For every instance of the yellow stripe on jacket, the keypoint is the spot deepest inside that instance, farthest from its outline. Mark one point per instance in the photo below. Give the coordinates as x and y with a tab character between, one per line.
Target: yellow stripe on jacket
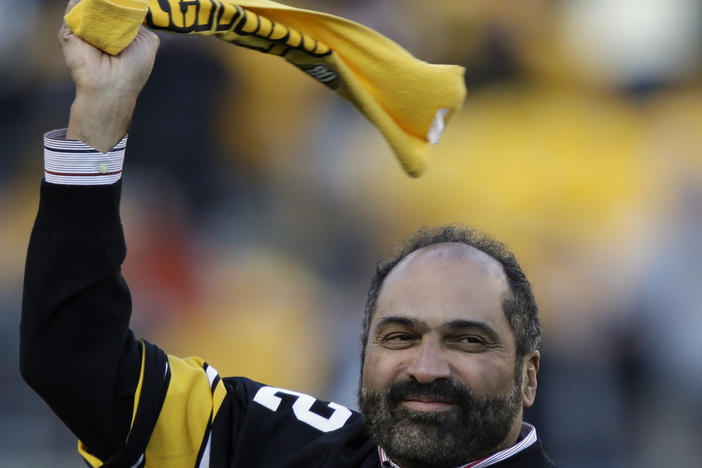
189	406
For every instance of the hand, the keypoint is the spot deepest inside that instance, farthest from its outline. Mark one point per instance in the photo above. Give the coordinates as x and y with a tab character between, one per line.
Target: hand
107	86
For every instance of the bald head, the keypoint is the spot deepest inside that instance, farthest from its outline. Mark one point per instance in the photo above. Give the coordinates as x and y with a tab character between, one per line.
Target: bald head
453	257
447	277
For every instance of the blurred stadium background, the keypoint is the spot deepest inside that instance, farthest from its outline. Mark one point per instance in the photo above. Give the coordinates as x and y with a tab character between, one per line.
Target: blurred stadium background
257	203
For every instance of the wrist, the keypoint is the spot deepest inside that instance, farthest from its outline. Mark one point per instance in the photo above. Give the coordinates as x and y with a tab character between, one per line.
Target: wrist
100	120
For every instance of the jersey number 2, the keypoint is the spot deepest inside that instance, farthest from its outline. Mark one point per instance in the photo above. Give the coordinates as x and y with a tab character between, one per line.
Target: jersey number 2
267	396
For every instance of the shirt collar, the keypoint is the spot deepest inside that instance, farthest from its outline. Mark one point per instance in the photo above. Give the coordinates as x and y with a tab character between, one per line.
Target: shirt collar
527	437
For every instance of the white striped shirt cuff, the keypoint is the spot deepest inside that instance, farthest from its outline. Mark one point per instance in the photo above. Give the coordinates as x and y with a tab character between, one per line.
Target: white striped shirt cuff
72	162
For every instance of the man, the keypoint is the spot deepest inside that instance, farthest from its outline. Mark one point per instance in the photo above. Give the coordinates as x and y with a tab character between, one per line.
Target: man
450	342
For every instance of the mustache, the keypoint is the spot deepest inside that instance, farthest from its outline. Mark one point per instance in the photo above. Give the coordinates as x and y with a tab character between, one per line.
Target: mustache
440	390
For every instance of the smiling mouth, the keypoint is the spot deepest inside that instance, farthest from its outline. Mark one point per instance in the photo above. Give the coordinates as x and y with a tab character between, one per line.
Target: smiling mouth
427	404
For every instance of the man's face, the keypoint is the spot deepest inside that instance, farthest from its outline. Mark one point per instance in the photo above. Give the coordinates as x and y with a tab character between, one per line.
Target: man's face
440	383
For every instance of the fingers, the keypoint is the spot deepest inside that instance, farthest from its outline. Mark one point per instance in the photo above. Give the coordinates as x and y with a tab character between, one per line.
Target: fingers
64	32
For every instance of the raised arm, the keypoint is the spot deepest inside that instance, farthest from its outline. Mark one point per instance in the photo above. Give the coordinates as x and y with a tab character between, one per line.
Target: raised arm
76	348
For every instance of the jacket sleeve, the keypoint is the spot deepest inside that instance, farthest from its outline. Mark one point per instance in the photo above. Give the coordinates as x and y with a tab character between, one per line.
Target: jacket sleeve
76	349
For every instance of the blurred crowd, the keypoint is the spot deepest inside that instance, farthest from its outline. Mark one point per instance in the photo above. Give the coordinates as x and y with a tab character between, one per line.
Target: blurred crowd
256	204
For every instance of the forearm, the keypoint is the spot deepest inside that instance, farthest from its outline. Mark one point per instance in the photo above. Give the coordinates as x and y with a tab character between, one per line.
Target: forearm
76	349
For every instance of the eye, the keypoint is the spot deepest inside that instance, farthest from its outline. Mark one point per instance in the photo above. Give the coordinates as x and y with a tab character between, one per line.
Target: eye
470	342
398	337
471	339
398	340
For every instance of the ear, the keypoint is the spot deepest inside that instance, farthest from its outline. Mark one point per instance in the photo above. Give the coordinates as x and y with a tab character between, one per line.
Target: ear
531	368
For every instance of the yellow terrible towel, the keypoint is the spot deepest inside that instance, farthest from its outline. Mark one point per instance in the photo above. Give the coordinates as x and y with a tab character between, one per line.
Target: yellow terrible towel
409	100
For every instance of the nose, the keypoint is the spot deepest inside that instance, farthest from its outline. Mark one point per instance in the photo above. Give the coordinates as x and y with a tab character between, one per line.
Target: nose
429	364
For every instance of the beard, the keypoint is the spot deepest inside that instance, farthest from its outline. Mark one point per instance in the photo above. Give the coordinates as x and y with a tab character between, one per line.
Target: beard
473	428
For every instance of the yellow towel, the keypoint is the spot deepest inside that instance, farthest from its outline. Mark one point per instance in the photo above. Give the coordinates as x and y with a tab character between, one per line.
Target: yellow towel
409	100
